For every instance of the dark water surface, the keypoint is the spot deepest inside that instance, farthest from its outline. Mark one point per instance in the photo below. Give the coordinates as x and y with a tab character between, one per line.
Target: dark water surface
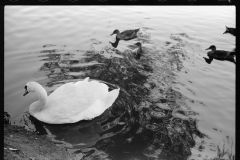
172	104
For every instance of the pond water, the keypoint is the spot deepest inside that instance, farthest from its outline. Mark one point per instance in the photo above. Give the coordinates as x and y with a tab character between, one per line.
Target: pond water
172	104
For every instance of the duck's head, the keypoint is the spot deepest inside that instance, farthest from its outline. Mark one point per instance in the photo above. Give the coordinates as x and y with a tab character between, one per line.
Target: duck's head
116	31
138	44
227	30
212	47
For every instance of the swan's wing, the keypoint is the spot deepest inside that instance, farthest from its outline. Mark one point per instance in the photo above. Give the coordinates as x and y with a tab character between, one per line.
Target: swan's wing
98	107
104	103
79	99
66	88
62	90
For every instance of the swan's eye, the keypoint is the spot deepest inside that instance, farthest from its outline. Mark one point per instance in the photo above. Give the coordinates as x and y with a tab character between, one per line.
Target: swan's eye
26	91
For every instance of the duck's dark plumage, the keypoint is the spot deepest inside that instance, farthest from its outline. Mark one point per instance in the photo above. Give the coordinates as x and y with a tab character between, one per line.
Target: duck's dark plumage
126	35
232	31
221	54
138	50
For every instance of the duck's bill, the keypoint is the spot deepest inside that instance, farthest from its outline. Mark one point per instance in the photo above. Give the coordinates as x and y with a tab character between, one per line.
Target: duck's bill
112	34
26	92
207	48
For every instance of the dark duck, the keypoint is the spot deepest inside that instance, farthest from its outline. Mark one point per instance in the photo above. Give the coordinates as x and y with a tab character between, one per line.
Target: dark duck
138	50
126	35
219	55
232	31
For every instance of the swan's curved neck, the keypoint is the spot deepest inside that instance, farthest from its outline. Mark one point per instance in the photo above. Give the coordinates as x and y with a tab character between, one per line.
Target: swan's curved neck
42	95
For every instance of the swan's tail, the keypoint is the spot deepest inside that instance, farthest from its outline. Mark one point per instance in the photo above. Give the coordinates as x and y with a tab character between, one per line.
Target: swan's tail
111	97
86	79
103	103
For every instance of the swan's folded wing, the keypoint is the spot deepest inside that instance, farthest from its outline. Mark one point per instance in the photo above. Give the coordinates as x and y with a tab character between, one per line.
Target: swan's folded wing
103	103
98	107
66	89
62	90
75	102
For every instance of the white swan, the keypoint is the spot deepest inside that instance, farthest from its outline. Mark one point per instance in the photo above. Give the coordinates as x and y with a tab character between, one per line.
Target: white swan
71	102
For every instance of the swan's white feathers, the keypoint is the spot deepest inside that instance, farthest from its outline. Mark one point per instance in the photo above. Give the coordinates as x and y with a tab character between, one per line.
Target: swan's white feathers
80	98
73	102
66	88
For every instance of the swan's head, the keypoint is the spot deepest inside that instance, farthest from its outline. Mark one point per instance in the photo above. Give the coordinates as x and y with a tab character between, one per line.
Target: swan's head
31	87
116	31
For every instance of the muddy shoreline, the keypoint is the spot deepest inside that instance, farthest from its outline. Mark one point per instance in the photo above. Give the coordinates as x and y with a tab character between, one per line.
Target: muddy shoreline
20	144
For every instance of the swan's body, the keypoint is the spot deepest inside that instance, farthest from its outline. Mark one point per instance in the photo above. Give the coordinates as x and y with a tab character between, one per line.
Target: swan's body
126	35
71	102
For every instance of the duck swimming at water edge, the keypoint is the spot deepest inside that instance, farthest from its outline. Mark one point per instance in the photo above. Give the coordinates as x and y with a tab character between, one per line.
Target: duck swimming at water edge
138	50
71	102
232	31
221	54
126	35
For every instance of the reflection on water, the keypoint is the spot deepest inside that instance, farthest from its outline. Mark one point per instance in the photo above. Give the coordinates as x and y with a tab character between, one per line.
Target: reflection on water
150	119
115	44
210	59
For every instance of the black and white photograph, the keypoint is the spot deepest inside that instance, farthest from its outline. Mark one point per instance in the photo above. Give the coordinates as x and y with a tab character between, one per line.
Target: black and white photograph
119	82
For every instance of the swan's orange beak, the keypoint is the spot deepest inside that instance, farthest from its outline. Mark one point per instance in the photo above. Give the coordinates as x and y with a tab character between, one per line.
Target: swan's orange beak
26	92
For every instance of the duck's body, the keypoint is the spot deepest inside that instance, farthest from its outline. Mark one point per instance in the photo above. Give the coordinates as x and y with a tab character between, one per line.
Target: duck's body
220	54
71	102
126	35
232	31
